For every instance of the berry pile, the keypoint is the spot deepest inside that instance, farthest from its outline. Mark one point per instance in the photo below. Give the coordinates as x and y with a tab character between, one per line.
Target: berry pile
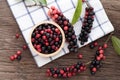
87	25
99	56
66	72
64	23
46	38
16	56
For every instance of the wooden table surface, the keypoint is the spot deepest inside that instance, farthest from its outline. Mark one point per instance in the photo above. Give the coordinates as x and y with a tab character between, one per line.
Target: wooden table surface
26	69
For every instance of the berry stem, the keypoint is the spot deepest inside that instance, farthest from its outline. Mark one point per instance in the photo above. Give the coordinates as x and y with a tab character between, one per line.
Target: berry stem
38	5
88	63
88	4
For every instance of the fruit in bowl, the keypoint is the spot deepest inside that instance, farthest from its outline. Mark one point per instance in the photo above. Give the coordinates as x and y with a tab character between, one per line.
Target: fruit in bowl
47	38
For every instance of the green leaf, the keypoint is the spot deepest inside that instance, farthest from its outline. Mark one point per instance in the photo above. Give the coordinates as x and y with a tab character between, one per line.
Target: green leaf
44	2
116	44
77	12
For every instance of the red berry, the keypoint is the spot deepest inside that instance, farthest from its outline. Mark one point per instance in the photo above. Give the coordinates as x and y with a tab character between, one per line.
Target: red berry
65	28
33	39
53	7
57	39
17	35
100	47
69	75
48	30
65	22
64	75
62	71
95	43
48	70
81	68
46	43
19	52
12	58
94	69
101	51
39	50
55	16
38	46
83	0
24	47
105	46
37	36
44	37
15	56
101	55
98	58
42	32
55	75
53	46
56	30
80	56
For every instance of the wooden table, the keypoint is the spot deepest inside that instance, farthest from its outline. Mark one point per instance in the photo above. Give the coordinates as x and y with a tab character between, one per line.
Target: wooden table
26	69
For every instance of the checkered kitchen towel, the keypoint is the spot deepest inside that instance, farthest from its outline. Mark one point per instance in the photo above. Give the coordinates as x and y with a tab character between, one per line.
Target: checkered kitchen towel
27	17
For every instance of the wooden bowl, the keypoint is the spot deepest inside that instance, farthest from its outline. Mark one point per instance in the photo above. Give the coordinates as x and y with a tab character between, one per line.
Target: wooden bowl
50	54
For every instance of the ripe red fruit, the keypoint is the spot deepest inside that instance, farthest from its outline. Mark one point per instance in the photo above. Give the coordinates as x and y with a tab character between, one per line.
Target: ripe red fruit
38	46
55	16
105	46
57	39
24	47
95	43
100	47
81	68
64	75
53	7
65	28
17	35
69	75
39	50
55	75
80	56
44	37
56	30
33	39
94	69
15	56
37	36
19	52
41	32
12	58
65	22
101	55
101	51
48	70
62	71
98	58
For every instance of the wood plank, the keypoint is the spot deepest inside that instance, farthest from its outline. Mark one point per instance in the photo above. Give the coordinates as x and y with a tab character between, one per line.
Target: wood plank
27	69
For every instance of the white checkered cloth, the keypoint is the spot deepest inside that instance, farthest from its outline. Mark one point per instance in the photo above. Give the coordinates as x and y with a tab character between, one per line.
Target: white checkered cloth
27	17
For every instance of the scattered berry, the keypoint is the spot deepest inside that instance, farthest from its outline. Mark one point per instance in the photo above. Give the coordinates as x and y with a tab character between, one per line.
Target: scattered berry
24	47
17	35
19	57
19	52
12	58
80	56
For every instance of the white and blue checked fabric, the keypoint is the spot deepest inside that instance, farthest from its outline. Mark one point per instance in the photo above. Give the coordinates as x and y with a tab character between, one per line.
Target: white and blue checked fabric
27	17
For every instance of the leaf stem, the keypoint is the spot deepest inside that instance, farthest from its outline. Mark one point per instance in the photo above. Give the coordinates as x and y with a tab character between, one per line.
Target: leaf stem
109	37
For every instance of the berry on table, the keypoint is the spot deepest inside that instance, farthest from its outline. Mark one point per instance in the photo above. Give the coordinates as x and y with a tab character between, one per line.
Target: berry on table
80	56
17	35
12	58
18	52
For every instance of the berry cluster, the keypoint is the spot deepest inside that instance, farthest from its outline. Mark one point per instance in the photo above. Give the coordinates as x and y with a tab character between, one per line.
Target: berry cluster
66	72
87	25
64	23
99	56
16	56
46	38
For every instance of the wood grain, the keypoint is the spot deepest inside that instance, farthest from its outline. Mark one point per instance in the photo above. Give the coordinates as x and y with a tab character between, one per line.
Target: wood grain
26	69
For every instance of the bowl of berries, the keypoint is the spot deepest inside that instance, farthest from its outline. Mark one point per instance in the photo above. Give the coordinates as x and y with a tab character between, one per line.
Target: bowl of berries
47	38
